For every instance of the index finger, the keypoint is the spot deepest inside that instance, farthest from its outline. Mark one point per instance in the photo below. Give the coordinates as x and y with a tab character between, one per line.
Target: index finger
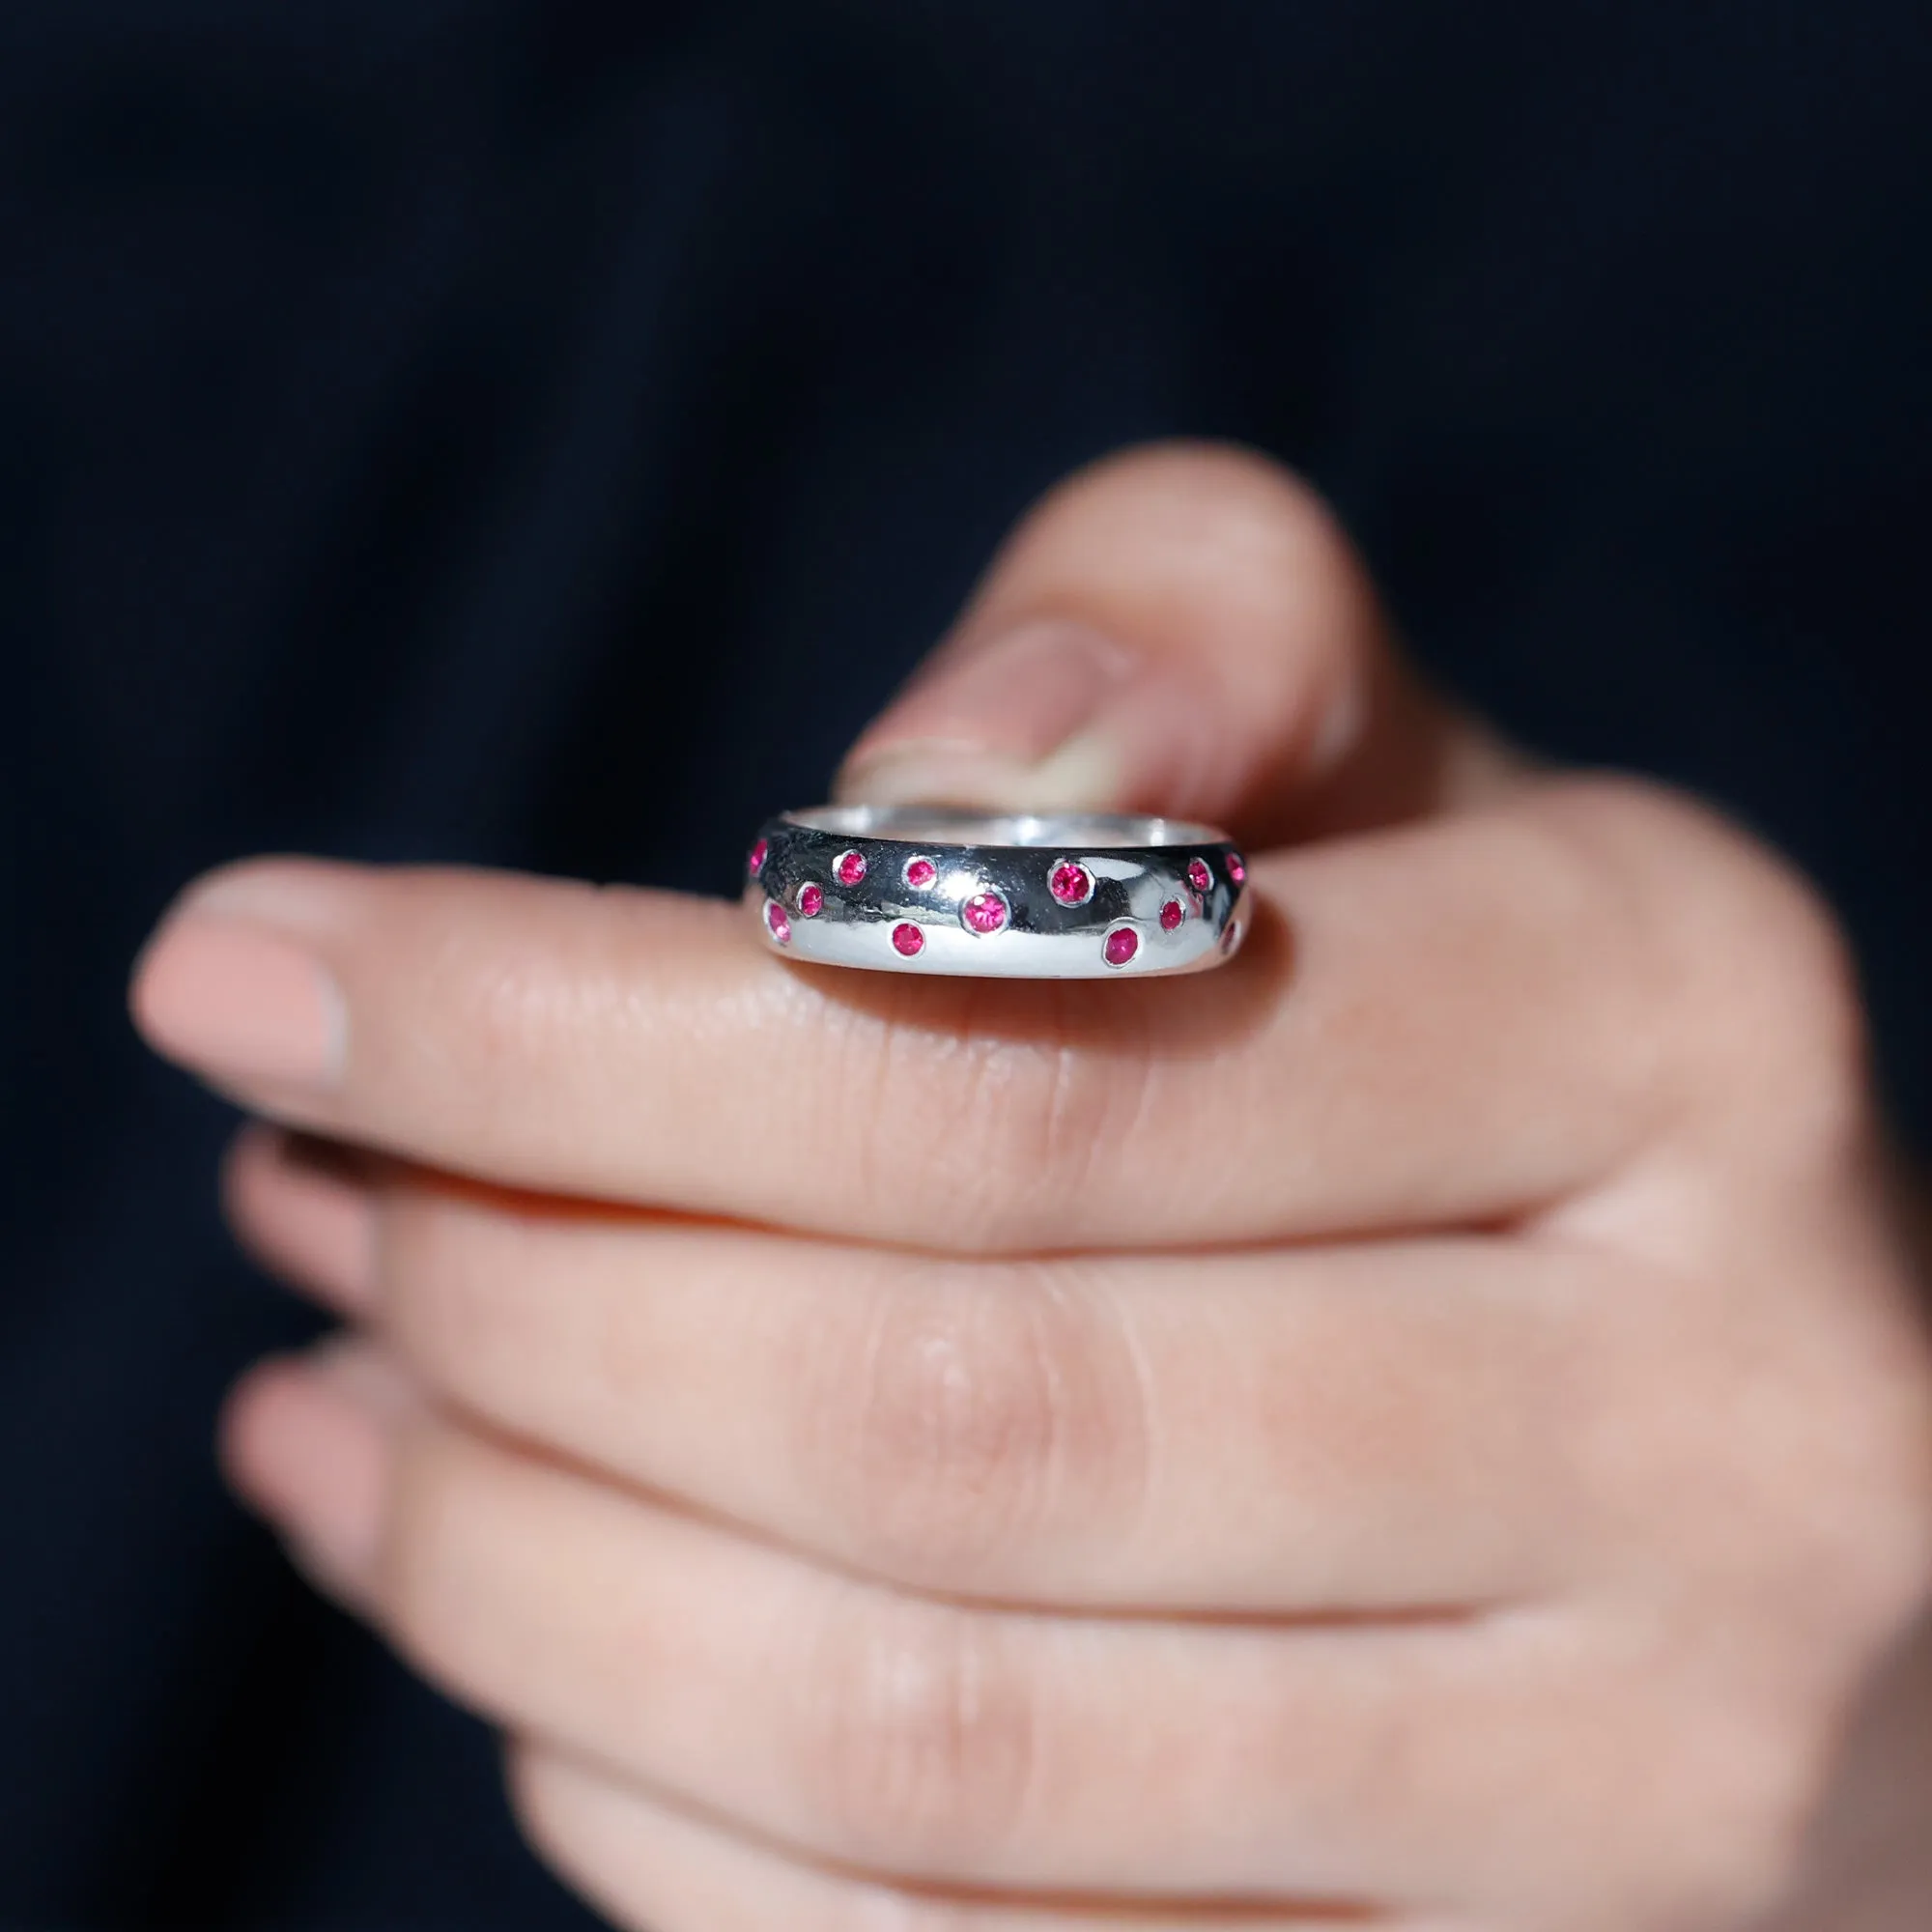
1429	1025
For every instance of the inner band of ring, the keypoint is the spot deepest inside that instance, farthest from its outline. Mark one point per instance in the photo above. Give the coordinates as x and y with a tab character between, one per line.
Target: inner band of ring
925	824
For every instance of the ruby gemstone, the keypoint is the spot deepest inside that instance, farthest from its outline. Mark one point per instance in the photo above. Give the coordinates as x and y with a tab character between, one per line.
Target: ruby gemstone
1199	876
920	874
754	860
849	867
907	938
1123	943
1171	915
1237	869
777	922
1070	884
812	899
1231	937
983	913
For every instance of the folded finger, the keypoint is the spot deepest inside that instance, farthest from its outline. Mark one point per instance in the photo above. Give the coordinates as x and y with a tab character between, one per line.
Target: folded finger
1445	1023
892	1732
650	1866
1370	1429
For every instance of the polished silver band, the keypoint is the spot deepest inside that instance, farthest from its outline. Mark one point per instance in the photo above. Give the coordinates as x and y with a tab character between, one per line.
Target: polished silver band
900	888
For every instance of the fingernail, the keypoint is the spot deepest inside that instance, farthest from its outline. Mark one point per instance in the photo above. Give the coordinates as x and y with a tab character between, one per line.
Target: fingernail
1028	718
309	1445
239	1003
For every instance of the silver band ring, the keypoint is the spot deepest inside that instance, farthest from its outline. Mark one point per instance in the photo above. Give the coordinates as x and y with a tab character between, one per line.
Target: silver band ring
900	888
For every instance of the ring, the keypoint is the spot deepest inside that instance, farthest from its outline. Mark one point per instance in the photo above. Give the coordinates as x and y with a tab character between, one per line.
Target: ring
902	888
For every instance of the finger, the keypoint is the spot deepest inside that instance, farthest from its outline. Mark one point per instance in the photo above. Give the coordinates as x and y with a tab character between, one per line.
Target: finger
1374	1429
906	1736
299	1205
322	1471
647	1864
1475	1016
1184	628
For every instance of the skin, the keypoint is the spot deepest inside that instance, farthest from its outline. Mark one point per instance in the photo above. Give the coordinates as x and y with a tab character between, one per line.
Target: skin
1428	1426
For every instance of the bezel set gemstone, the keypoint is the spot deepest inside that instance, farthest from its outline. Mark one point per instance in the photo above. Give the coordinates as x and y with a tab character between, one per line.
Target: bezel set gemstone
1120	945
1071	883
777	923
1237	869
984	914
920	872
907	939
1231	935
810	898
849	869
1199	876
755	859
1171	914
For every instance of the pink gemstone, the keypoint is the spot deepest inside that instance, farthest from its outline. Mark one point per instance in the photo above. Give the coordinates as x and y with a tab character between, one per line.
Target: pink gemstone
1171	915
754	860
1070	884
777	922
1123	943
812	900
983	913
1237	869
920	874
1230	936
1199	876
849	869
907	938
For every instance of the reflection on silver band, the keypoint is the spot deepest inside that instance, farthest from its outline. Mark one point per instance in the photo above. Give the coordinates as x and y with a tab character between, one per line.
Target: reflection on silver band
1016	895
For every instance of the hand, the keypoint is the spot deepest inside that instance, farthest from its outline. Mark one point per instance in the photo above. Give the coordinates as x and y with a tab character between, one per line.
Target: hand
1428	1424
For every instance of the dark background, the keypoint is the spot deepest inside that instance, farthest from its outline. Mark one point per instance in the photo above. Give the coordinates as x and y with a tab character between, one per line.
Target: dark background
541	434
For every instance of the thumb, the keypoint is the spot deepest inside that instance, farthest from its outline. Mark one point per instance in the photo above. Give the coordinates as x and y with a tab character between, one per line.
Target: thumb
1182	628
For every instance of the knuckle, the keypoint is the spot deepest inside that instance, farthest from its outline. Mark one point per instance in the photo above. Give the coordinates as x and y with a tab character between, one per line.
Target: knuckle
1756	1788
1849	1535
1786	976
1757	1740
1881	1553
1699	1794
1741	954
992	1412
921	1739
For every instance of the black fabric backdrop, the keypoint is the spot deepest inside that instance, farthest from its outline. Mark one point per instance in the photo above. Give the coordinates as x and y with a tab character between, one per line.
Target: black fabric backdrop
525	432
